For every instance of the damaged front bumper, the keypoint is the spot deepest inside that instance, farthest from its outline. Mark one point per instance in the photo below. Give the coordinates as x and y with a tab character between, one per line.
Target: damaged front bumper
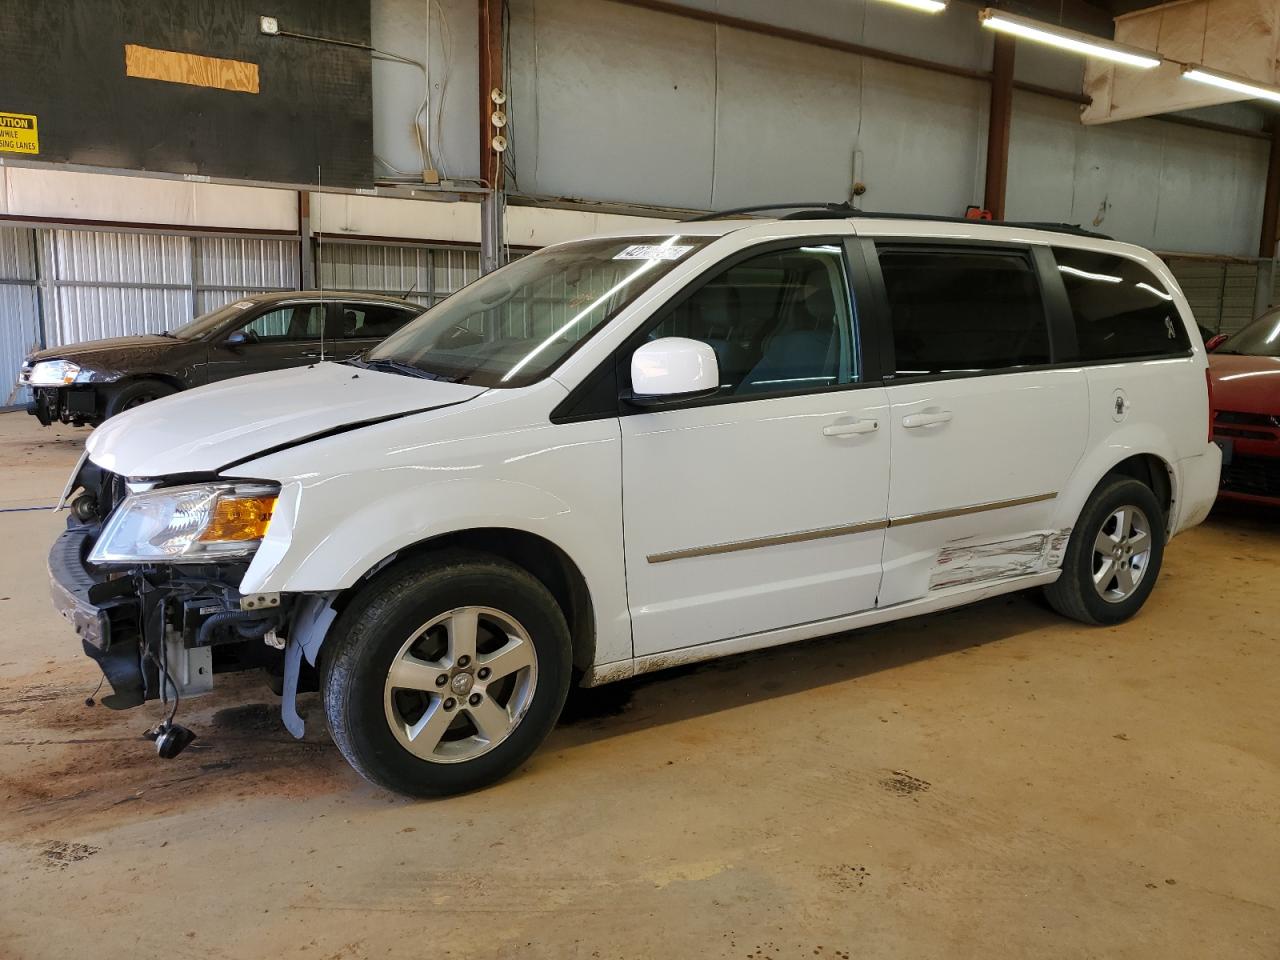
74	405
70	585
162	632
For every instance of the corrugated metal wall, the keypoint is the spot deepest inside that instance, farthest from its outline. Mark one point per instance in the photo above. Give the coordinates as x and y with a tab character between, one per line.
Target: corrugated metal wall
427	274
19	308
1221	292
92	284
227	268
114	284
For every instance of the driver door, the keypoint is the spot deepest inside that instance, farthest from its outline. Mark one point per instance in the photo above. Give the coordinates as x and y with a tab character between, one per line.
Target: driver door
282	335
764	506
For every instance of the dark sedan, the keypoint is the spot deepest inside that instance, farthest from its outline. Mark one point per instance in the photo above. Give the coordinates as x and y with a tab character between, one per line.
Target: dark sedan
89	382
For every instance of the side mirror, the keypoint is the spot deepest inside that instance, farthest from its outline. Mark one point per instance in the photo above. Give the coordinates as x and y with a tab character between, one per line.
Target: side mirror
237	338
673	368
1214	342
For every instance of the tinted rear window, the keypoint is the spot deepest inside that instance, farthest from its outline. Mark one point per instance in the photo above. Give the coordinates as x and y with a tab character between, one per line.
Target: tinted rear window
1122	310
963	310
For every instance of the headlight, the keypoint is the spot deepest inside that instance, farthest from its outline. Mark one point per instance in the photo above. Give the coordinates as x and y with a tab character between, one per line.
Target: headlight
187	524
57	373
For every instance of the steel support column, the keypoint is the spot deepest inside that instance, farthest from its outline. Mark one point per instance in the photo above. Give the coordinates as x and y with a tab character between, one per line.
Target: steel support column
306	253
491	46
1264	292
999	119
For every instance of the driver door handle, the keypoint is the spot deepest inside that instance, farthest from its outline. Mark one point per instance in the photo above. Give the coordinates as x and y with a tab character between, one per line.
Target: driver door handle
912	420
851	429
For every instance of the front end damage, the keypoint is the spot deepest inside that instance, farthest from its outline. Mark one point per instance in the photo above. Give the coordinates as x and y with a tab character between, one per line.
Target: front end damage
161	631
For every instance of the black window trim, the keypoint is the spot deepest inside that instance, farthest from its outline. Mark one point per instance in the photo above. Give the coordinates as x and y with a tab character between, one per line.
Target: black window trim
1059	324
584	400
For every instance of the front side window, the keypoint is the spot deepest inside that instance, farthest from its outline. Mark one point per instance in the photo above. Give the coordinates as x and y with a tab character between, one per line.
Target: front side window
512	327
963	310
1121	308
371	321
303	321
1259	339
777	322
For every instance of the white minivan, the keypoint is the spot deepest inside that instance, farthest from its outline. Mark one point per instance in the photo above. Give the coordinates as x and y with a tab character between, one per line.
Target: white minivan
633	451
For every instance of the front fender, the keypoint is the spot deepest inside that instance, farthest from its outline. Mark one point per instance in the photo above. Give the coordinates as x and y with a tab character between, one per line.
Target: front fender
329	546
349	502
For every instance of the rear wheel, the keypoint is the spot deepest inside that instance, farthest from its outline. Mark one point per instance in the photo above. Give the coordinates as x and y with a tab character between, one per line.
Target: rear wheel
135	394
1114	555
445	678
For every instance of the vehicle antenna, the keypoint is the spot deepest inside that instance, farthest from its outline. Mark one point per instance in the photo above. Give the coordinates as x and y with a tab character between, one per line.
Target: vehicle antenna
324	317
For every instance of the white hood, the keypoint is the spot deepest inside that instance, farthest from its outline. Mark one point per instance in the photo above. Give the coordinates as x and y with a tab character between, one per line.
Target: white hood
207	428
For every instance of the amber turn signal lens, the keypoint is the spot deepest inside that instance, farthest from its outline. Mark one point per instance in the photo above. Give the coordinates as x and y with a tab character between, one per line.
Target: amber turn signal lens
239	518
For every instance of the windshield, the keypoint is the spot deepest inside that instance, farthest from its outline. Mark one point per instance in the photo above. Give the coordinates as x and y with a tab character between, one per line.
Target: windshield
208	322
1259	339
512	327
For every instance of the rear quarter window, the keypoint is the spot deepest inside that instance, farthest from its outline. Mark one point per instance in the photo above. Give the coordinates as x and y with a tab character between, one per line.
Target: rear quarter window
1122	310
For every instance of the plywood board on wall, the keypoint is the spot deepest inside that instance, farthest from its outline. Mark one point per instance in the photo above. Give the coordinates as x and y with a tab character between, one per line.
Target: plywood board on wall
147	63
1234	36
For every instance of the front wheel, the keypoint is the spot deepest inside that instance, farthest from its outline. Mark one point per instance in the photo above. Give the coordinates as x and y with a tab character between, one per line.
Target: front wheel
1113	556
444	678
135	394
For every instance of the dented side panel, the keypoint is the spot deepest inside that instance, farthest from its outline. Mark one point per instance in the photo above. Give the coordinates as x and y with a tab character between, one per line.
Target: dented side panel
971	561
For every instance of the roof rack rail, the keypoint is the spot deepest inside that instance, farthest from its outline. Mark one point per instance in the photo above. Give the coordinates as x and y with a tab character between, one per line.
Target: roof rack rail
842	211
807	211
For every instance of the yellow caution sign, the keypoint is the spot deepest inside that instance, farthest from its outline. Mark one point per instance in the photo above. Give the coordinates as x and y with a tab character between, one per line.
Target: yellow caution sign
18	133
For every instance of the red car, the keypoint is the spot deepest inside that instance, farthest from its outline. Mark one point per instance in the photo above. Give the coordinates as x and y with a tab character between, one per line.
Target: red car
1244	371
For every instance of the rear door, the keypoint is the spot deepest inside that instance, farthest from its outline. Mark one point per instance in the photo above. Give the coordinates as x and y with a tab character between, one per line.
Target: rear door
764	506
985	428
279	336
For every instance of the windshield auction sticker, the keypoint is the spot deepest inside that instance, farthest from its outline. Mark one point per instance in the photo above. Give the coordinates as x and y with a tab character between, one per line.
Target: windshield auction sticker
652	251
18	133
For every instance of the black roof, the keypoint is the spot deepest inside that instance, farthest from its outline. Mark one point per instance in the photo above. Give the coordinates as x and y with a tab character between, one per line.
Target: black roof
844	211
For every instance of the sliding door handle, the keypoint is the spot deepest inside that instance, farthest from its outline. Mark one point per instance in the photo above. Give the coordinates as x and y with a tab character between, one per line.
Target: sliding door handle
853	429
913	420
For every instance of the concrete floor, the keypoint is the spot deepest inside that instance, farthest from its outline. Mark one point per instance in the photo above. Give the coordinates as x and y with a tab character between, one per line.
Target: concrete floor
990	782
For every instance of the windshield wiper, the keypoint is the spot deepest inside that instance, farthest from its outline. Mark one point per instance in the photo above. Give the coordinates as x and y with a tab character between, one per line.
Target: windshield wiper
394	366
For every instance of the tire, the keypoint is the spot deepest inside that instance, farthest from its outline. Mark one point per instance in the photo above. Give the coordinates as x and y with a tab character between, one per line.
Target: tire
134	394
372	718
1091	591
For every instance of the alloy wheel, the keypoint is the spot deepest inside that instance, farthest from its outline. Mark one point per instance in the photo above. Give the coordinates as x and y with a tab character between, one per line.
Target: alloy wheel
1121	553
460	684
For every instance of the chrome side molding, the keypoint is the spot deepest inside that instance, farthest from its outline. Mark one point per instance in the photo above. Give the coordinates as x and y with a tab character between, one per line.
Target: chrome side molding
843	530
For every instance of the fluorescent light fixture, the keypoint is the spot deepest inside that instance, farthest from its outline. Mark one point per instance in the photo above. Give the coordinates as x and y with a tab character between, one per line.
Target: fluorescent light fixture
1067	39
925	6
1235	84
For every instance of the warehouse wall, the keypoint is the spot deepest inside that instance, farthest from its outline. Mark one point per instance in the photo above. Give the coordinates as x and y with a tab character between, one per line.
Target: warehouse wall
615	103
1150	182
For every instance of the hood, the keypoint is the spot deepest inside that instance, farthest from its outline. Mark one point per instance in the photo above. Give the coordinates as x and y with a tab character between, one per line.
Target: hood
1247	384
203	430
104	351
